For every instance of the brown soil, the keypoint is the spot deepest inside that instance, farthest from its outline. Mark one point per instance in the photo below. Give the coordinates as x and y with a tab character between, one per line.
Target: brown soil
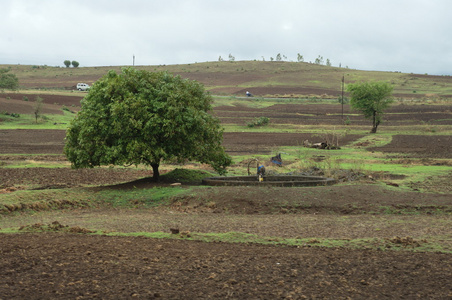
65	177
54	266
419	146
15	103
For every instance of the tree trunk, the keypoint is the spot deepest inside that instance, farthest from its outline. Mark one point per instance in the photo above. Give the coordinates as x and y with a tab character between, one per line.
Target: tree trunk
155	172
374	128
375	123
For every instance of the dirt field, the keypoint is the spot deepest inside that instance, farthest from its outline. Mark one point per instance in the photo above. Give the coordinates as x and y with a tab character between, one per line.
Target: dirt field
79	266
53	266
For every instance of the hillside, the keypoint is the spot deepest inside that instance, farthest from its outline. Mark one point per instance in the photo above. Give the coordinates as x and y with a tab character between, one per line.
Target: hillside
280	79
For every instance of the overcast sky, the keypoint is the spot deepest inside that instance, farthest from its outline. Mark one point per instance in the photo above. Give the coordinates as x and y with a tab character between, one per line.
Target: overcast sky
412	36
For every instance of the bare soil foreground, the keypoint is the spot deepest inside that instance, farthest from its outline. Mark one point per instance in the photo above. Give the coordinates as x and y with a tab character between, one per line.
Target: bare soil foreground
53	266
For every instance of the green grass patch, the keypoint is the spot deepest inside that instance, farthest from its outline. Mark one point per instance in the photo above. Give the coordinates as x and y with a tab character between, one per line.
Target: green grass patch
186	175
139	197
26	121
264	102
32	196
30	163
379	140
292	128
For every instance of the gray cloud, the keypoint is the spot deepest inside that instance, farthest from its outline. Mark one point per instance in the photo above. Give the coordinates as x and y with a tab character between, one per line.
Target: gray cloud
387	35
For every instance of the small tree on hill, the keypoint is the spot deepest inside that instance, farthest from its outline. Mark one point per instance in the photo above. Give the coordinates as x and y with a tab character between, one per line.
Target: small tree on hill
7	80
75	63
37	108
319	60
300	57
372	99
67	63
140	117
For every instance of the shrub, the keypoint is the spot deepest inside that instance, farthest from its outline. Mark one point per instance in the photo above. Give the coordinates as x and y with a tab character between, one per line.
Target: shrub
65	108
262	121
14	115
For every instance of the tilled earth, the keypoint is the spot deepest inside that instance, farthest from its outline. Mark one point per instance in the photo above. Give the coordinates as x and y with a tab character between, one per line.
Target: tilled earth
69	266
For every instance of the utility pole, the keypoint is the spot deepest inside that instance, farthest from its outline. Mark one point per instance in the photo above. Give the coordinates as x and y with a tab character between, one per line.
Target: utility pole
134	60
342	100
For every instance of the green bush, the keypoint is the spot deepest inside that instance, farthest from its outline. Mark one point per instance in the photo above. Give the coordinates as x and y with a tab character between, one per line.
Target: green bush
262	121
14	115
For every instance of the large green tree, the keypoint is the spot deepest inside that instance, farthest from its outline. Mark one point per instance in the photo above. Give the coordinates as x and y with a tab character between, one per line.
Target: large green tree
8	80
140	117
371	99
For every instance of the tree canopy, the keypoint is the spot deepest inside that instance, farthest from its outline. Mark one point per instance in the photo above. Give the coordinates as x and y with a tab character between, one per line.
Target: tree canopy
8	80
140	117
371	99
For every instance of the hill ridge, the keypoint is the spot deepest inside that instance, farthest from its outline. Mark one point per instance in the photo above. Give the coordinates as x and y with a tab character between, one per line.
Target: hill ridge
262	78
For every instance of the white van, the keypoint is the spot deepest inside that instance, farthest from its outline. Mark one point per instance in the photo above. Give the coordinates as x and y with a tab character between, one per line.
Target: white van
82	87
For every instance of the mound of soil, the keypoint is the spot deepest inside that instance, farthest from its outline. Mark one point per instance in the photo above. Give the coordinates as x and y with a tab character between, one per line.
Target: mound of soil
65	266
